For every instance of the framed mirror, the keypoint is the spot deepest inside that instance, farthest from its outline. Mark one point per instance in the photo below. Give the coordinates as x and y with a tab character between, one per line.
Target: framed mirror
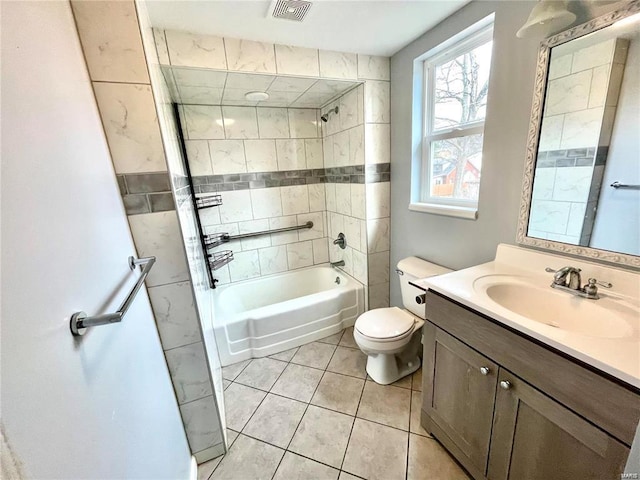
581	190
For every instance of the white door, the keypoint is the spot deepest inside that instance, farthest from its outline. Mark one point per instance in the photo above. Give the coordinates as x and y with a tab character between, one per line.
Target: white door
101	406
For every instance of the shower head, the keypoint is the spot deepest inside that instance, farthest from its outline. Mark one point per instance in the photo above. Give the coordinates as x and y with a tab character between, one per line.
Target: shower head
325	117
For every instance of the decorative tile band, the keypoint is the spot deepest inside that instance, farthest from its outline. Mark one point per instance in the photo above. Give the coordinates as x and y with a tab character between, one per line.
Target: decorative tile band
243	181
146	192
572	157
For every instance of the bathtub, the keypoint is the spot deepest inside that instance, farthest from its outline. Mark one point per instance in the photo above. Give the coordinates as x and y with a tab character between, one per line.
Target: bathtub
260	317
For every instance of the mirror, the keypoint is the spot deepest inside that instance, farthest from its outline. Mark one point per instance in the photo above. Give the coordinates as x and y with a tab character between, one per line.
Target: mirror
582	177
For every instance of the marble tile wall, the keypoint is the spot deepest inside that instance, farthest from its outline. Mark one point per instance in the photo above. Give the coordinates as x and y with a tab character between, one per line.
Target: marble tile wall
358	136
113	48
260	162
582	96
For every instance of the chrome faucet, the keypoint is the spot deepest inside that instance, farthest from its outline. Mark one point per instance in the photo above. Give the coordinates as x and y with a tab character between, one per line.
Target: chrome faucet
569	280
339	263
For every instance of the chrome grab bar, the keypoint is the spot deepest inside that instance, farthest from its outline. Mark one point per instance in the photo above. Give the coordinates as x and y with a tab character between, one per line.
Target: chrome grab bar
617	185
80	321
228	238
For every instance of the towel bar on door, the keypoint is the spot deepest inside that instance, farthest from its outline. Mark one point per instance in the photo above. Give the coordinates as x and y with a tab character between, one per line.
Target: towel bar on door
79	320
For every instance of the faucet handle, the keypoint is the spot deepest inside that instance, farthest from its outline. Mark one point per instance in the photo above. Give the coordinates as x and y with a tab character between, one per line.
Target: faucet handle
602	284
550	270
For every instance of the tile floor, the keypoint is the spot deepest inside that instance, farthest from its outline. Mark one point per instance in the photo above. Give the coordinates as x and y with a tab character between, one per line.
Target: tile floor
312	413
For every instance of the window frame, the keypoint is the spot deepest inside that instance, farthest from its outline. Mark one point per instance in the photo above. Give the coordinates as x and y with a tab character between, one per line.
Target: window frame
465	41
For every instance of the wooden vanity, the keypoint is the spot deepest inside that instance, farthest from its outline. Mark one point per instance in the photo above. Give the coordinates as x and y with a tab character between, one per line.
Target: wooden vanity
506	405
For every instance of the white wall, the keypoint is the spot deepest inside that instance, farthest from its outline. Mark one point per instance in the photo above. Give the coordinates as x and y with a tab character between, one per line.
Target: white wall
101	406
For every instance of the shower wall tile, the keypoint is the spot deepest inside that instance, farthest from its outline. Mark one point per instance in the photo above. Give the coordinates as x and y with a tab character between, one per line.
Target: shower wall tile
249	56
378	268
379	295
358	202
341	149
360	267
227	156
254	226
378	233
273	123
338	65
131	126
240	122
273	260
189	374
377	102
284	237
266	202
236	207
260	155
377	145
199	157
295	199
200	418
317	202
111	40
313	153
297	61
158	234
378	200
348	113
353	232
245	265
317	231
320	251
175	313
356	146
291	154
343	198
204	51
300	255
303	122
203	122
373	67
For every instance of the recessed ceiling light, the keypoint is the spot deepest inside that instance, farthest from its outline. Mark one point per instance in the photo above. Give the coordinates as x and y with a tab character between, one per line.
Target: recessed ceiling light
256	96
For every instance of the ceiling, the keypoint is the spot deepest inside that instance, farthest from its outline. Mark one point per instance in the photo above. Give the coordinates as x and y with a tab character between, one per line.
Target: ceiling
215	87
372	27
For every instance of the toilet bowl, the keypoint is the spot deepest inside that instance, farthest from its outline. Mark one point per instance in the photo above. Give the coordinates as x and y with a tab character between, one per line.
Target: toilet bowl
391	337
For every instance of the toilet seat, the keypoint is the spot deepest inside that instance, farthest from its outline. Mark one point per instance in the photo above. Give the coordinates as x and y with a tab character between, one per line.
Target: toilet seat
385	324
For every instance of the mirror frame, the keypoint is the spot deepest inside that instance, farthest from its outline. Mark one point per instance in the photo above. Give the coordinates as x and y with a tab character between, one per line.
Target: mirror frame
621	259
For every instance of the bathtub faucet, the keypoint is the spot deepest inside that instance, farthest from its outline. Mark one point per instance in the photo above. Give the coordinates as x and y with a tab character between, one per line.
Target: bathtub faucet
337	264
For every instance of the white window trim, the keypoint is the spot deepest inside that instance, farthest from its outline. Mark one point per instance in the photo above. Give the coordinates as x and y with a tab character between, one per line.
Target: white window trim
475	35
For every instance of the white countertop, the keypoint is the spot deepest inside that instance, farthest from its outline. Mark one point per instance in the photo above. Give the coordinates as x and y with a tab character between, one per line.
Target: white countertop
619	357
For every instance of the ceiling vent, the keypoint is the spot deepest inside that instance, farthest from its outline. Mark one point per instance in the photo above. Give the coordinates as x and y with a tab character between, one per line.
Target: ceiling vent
294	10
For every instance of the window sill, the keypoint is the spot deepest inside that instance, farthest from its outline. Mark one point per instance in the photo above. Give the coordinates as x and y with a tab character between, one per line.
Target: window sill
470	213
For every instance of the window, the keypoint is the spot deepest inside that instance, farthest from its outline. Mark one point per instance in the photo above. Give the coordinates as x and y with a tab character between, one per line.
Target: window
455	103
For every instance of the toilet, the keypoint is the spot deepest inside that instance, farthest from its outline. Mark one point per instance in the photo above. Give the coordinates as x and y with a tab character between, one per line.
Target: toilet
391	337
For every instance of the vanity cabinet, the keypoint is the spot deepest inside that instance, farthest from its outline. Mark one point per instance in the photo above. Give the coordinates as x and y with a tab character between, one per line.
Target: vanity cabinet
509	407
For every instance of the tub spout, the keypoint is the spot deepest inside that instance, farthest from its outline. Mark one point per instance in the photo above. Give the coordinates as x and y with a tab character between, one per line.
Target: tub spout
337	264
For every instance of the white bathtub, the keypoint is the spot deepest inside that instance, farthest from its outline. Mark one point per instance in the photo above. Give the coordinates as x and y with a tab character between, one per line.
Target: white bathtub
260	317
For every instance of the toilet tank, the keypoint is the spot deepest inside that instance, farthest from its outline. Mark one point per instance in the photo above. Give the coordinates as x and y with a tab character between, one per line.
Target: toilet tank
411	269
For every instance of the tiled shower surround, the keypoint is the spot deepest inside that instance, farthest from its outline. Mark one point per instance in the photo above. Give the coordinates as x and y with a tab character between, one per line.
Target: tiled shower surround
278	167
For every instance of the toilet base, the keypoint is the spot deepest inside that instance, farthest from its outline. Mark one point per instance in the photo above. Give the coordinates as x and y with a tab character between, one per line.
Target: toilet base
385	368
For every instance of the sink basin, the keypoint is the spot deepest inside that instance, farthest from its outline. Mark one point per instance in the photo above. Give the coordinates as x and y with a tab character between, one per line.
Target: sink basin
604	318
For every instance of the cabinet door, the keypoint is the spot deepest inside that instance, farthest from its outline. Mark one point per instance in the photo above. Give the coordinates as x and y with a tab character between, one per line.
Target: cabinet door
535	437
459	393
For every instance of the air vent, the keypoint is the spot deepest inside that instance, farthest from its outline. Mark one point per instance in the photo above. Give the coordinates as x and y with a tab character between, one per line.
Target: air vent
294	10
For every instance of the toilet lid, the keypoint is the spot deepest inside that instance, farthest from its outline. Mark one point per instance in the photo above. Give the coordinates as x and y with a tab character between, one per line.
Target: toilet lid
384	323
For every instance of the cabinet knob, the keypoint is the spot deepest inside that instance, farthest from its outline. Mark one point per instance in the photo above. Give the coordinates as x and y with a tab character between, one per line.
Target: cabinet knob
484	370
505	384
